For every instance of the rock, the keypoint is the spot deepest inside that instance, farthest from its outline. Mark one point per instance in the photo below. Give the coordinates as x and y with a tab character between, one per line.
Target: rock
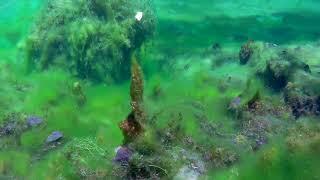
54	137
33	121
252	103
277	74
317	101
235	103
123	155
9	128
300	102
246	52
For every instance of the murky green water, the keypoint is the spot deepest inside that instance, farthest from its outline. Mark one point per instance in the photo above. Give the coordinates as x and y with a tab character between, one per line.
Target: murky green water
163	89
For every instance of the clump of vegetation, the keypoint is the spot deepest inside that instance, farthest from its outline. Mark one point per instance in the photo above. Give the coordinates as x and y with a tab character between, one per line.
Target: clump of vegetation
133	126
246	52
91	39
222	157
88	158
136	91
77	91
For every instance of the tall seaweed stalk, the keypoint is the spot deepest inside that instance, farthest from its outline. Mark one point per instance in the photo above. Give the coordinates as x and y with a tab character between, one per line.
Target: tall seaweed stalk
136	91
133	125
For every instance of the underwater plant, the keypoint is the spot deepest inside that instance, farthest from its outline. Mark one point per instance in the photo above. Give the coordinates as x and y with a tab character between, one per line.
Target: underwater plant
90	39
136	91
134	123
77	91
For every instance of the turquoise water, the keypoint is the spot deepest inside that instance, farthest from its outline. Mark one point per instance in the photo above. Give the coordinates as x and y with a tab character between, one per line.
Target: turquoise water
180	89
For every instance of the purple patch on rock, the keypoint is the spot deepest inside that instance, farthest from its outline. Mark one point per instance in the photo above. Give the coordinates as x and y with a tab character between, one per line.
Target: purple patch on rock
235	103
33	121
123	155
54	136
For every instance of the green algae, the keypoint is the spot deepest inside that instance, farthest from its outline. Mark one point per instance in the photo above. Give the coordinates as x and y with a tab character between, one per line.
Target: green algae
90	39
187	91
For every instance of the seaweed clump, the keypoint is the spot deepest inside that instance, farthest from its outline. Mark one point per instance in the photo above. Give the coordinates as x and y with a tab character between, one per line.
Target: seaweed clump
92	39
140	156
77	91
133	125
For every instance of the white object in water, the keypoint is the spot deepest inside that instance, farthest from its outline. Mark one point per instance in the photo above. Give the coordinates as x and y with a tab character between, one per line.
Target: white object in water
138	16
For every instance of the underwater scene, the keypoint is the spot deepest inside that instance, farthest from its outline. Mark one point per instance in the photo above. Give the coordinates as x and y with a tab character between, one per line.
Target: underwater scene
160	89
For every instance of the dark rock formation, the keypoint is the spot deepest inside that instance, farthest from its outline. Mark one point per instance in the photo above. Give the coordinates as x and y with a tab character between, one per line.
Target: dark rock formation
277	74
246	52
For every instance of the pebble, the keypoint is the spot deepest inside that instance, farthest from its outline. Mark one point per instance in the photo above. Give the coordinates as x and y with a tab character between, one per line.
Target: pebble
33	121
54	137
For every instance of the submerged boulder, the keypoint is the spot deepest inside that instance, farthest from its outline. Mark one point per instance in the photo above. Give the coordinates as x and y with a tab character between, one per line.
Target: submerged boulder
282	69
246	52
300	102
235	103
91	39
54	137
33	121
277	74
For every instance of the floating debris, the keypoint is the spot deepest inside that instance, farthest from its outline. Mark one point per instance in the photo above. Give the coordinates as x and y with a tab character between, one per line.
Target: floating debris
138	16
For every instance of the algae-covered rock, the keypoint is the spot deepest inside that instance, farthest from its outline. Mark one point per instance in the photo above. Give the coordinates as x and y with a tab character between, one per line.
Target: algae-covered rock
246	52
92	39
300	102
277	73
280	70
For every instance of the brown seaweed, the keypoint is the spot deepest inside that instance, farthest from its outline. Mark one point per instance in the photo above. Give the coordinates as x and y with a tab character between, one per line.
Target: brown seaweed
132	126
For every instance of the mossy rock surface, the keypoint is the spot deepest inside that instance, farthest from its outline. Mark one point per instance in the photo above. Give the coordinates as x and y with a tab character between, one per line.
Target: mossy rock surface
92	39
